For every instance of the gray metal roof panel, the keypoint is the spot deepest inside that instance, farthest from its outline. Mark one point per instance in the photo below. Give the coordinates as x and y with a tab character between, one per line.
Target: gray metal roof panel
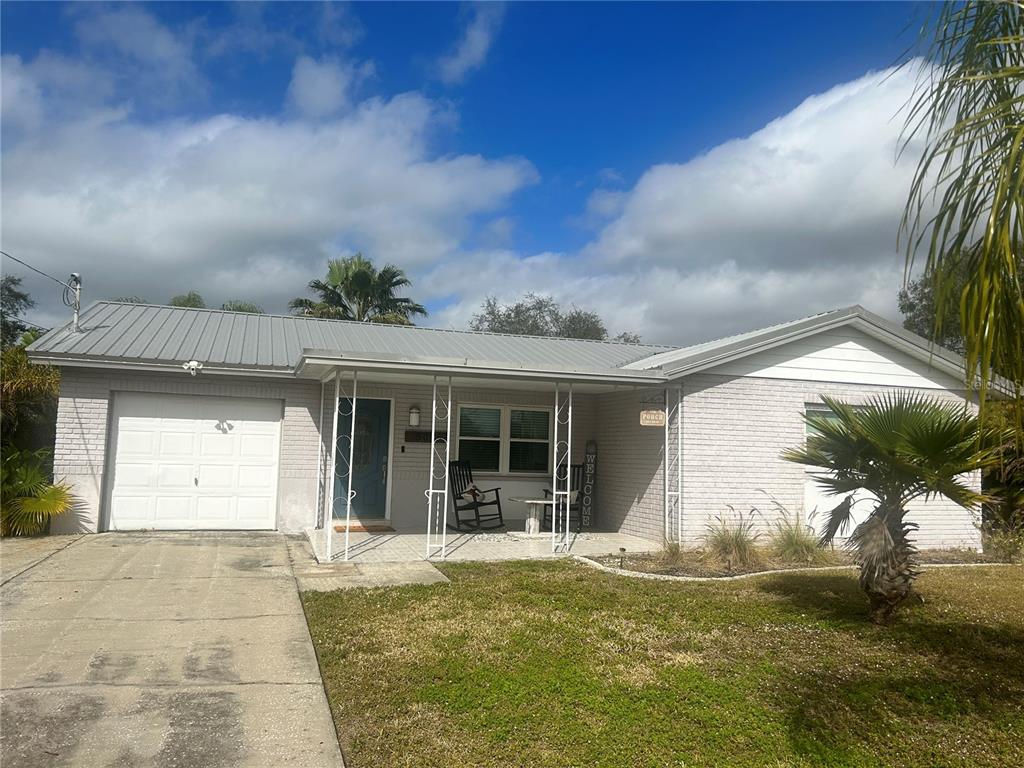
116	332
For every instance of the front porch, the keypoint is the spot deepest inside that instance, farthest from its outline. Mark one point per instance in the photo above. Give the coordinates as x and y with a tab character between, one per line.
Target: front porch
411	545
400	448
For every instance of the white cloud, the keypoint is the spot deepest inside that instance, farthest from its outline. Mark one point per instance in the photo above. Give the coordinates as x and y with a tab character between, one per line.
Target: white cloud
323	88
800	217
820	183
151	61
471	50
238	207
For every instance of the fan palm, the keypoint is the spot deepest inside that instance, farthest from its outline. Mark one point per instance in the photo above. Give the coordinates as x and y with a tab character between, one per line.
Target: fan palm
29	500
900	446
354	289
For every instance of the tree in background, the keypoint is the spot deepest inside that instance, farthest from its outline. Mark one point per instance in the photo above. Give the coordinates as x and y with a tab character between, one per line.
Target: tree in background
354	289
236	305
968	110
13	303
194	300
1003	513
920	314
191	299
535	315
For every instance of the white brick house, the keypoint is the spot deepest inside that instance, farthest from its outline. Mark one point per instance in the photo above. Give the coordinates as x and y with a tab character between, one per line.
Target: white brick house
247	439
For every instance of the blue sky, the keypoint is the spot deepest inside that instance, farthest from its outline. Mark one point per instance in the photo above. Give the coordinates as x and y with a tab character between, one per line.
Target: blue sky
674	154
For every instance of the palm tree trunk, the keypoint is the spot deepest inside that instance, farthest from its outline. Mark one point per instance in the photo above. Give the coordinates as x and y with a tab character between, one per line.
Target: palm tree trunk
889	582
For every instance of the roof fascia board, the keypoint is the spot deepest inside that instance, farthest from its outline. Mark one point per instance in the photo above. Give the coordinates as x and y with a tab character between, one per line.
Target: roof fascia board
122	365
464	370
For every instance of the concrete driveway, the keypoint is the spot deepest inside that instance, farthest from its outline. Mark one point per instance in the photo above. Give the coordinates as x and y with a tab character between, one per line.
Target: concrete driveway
158	650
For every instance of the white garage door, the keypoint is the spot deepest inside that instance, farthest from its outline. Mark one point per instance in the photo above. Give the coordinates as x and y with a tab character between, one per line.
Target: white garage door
183	462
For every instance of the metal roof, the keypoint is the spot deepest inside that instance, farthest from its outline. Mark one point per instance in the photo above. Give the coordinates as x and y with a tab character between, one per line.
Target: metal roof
114	332
133	335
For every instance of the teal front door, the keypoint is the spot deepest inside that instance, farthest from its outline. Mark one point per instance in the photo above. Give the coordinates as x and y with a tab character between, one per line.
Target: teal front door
369	458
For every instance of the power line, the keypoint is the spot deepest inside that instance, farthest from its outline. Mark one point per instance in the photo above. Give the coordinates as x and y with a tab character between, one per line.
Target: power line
26	322
38	271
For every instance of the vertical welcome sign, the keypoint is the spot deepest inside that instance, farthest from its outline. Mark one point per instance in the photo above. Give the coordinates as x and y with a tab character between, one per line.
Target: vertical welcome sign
589	484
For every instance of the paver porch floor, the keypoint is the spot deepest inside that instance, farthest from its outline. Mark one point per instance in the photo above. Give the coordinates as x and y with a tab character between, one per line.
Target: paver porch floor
404	546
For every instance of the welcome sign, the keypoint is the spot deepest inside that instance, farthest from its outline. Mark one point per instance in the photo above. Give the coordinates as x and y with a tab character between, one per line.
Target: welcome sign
589	483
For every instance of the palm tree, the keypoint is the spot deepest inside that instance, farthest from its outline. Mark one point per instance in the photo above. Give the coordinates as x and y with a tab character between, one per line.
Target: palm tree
969	110
899	447
356	290
28	499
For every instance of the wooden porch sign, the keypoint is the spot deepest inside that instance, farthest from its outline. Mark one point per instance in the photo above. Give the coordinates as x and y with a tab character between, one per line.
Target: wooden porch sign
589	479
652	418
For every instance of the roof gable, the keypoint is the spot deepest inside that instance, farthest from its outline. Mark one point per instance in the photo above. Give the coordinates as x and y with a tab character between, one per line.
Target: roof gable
712	354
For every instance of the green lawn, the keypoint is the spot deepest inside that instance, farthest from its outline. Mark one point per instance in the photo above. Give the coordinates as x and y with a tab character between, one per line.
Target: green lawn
554	664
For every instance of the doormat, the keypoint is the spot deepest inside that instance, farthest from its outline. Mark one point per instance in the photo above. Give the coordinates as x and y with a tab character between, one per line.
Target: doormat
365	528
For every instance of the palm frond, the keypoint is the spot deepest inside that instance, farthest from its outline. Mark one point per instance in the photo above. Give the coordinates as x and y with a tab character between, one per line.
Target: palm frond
965	209
837	522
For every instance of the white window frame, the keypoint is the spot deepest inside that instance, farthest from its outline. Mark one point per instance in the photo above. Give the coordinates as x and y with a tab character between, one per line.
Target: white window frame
505	437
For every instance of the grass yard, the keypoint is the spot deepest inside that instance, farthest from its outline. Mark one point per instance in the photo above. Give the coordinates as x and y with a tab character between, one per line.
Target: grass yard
555	664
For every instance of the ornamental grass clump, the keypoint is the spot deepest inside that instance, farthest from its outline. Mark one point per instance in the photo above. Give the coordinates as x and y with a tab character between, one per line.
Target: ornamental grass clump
793	541
733	543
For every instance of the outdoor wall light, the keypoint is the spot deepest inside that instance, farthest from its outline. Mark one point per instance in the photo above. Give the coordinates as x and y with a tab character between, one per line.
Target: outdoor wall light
414	416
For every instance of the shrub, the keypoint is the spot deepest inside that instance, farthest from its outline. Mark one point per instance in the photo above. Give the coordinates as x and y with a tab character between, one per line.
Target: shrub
28	500
734	544
1005	541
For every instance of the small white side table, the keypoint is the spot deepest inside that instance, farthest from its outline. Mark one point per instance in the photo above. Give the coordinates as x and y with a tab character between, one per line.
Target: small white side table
534	512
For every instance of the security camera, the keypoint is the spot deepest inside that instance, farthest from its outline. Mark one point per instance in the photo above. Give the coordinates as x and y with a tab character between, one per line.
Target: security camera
193	367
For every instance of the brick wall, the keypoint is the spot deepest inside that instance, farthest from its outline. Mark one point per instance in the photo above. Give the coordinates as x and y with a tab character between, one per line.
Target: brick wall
629	477
733	432
734	429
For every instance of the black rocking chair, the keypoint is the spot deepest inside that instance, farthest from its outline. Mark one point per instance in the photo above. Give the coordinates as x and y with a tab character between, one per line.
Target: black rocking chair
468	515
575	519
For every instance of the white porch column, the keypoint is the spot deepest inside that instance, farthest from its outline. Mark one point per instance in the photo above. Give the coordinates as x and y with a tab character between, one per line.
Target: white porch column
561	470
329	492
351	457
319	459
672	466
437	498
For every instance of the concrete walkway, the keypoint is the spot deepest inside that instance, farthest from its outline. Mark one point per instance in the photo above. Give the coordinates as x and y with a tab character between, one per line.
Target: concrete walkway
314	577
160	650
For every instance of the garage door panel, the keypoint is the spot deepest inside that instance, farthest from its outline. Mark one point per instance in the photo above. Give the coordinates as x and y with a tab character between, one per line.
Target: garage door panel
173	507
131	441
217	508
194	462
218	477
135	476
138	509
175	477
255	477
216	444
252	508
257	446
173	443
